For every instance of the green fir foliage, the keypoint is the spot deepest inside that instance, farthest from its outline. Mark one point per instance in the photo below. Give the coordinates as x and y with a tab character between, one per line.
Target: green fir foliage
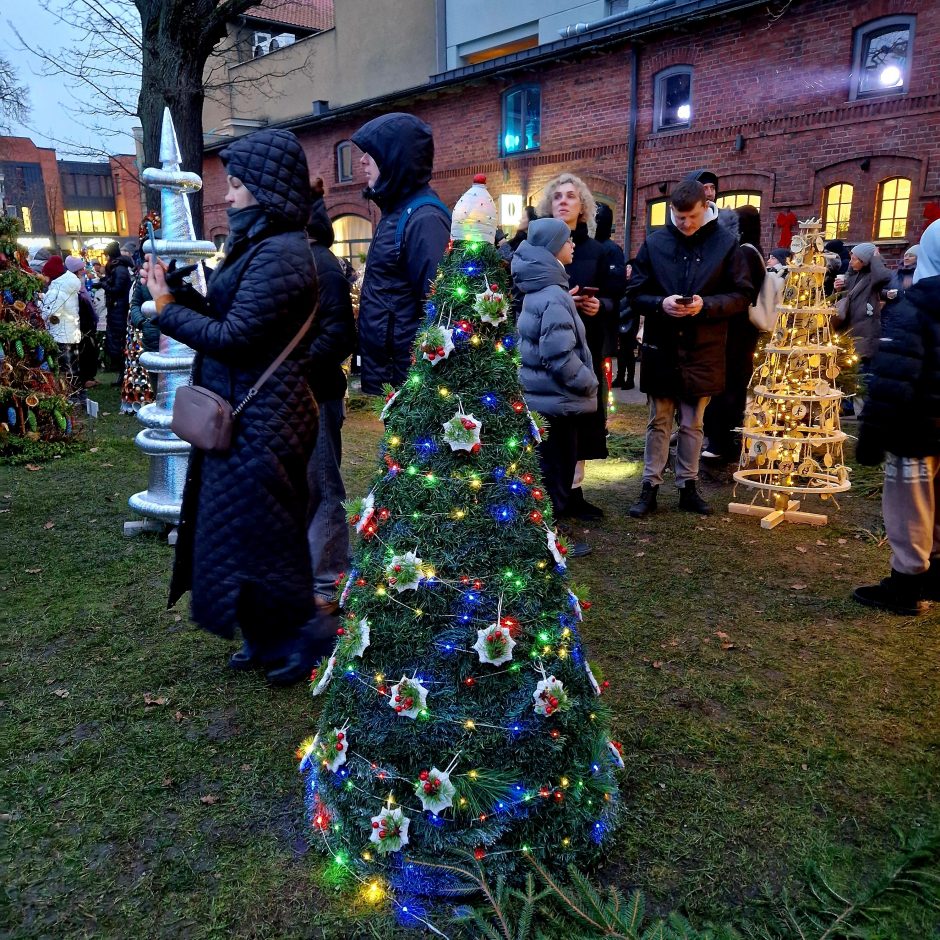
473	529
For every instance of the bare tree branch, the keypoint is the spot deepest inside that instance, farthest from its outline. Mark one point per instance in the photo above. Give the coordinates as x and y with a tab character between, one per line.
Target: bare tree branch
14	98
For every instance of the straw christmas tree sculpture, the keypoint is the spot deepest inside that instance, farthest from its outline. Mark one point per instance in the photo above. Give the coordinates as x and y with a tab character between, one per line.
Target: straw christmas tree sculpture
791	442
35	414
460	716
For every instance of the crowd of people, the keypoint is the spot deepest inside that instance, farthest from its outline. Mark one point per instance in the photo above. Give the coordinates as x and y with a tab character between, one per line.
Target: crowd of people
263	537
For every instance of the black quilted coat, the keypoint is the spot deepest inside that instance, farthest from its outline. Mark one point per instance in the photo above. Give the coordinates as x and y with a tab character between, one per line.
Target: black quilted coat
902	404
117	293
242	546
684	357
391	307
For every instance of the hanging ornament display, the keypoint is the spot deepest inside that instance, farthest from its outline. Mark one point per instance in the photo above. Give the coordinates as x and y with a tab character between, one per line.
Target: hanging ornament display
462	432
390	829
408	697
359	512
549	696
404	572
556	547
491	305
435	790
436	343
494	644
354	640
332	747
320	677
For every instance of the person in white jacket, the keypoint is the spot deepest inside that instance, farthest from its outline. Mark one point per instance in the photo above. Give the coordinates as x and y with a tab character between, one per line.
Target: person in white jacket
60	311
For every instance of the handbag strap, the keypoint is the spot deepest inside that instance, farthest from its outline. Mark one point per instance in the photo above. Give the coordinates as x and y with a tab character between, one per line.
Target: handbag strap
288	349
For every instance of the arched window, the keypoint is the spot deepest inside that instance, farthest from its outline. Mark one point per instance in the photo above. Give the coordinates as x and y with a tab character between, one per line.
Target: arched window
522	119
656	214
881	59
344	164
733	200
837	210
672	98
353	235
894	197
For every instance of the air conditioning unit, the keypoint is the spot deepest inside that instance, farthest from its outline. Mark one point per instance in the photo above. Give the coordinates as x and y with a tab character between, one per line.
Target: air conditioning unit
260	44
283	39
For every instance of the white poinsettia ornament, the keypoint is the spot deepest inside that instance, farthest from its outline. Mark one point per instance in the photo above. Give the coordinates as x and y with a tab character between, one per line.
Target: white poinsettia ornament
390	397
616	753
556	547
491	305
462	432
494	644
436	343
332	747
354	640
408	697
359	512
575	605
550	697
404	572
435	790
390	829
595	685
320	677
534	429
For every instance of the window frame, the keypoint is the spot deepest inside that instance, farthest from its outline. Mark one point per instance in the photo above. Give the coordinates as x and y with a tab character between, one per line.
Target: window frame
879	205
526	88
741	192
344	146
858	45
824	213
659	97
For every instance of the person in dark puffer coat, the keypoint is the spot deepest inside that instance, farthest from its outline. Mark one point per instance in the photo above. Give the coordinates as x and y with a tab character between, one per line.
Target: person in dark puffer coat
242	547
334	339
556	370
900	424
398	156
117	292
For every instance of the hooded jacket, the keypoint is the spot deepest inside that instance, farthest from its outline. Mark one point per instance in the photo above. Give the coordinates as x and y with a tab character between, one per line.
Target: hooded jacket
684	357
242	545
117	292
860	306
334	330
396	282
556	370
61	300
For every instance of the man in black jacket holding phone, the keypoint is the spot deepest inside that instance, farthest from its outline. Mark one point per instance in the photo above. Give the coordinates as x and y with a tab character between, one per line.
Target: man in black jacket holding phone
688	279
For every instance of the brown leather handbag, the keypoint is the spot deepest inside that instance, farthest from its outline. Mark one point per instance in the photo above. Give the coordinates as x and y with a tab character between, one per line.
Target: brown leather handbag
206	420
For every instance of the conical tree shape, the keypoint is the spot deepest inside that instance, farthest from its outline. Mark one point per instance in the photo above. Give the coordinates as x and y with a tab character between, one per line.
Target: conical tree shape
35	413
459	712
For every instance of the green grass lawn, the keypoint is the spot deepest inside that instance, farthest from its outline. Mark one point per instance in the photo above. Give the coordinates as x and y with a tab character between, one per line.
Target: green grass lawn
770	723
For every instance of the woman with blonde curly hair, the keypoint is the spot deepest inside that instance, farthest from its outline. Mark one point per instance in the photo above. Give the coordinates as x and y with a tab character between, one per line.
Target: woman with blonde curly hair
567	197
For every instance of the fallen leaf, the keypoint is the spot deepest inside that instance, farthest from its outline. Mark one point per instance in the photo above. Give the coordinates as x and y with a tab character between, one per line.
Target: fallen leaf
167	782
821	542
106	465
842	541
179	716
177	618
640	554
49	525
728	646
33	467
722	635
657	664
32	570
246	768
62	693
210	799
151	699
803	767
6	510
798	587
802	549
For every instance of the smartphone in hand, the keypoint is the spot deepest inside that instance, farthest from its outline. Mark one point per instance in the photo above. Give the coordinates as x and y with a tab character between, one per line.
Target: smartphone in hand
589	291
685	301
153	243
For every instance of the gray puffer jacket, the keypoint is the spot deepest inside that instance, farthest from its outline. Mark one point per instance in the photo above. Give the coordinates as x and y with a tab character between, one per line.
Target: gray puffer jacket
556	372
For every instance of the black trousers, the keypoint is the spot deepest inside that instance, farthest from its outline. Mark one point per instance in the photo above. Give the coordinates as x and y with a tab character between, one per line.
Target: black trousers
558	454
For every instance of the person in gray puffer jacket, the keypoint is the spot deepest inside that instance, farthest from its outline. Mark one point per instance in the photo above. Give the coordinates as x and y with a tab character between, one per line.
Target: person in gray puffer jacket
557	372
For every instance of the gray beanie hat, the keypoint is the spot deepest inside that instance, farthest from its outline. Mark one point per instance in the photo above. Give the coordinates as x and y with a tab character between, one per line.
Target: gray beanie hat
548	233
864	251
913	250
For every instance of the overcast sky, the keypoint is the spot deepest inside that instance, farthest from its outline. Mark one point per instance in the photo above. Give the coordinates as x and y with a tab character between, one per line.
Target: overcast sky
55	118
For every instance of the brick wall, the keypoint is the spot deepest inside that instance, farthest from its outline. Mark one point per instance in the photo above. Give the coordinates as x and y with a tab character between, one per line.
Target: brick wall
783	84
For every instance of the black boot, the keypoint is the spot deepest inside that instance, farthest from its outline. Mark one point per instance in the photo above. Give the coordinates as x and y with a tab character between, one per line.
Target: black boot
579	508
647	501
690	501
901	594
243	660
932	584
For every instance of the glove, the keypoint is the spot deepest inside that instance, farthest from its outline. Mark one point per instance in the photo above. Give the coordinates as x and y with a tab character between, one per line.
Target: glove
868	451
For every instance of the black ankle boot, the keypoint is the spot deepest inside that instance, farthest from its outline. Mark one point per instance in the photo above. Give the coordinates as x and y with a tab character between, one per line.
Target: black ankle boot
690	501
932	584
901	594
242	660
647	501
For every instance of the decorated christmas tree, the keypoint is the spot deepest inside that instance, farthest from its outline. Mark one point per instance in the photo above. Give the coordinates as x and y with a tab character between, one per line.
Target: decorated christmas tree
35	413
460	717
791	443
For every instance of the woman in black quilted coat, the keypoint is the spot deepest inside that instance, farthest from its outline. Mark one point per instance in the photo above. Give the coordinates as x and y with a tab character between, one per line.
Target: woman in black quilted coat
242	547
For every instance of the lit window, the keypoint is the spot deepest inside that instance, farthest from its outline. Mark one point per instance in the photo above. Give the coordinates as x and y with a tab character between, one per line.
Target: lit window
882	57
522	119
837	210
656	214
733	200
87	220
353	235
344	164
672	98
122	217
27	220
894	198
72	221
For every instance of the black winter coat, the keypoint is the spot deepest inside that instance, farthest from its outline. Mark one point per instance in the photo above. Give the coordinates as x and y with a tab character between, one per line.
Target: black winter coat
684	357
151	332
242	546
334	330
863	294
902	404
591	268
117	293
391	306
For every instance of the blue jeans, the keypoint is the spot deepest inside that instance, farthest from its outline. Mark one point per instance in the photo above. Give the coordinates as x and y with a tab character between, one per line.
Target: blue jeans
328	531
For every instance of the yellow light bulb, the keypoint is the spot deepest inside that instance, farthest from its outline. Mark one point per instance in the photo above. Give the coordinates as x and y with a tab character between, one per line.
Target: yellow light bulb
472	774
380	591
394	441
469	724
564	781
443	392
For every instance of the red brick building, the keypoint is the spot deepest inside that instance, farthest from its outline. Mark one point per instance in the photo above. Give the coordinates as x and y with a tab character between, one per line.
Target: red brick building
821	108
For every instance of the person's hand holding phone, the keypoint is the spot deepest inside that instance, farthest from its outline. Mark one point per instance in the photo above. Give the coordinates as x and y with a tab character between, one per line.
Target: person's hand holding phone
678	305
586	300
